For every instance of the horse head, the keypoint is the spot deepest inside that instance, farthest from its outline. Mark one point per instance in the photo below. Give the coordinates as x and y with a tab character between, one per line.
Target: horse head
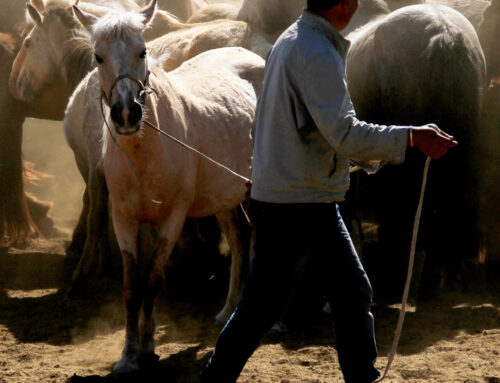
34	61
120	52
50	37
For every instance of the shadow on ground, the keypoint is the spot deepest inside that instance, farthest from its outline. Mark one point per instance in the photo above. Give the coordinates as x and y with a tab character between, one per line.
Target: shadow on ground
181	368
187	317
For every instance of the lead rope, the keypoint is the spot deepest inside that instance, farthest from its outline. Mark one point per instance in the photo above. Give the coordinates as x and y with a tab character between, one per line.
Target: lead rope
402	311
195	150
206	157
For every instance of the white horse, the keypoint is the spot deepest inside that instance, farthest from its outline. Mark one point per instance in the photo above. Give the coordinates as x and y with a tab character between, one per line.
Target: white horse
56	52
208	103
83	121
272	17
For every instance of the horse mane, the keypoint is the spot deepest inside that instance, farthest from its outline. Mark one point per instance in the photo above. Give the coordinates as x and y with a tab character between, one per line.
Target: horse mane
77	59
8	43
118	25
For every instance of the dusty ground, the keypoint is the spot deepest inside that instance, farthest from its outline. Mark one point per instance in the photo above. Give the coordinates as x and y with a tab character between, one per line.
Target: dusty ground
44	338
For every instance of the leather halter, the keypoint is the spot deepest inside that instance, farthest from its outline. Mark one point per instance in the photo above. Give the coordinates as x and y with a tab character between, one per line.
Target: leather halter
144	88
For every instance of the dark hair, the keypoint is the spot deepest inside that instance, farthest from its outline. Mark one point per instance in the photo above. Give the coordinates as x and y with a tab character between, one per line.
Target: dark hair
321	5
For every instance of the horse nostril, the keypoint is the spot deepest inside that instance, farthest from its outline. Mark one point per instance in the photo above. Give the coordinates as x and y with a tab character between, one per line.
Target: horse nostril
135	114
116	114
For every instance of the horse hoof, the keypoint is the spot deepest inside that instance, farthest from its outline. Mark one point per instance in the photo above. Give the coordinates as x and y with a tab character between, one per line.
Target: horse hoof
148	360
125	366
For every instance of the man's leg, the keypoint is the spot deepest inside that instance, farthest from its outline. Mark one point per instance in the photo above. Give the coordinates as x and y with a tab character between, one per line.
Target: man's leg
350	295
278	263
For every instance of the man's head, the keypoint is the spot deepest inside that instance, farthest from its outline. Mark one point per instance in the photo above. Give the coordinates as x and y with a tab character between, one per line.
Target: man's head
337	12
321	5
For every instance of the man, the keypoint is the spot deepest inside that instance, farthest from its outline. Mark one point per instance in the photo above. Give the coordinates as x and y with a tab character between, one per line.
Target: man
305	132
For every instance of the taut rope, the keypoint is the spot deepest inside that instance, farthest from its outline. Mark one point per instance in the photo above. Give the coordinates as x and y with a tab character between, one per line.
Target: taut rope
195	150
402	311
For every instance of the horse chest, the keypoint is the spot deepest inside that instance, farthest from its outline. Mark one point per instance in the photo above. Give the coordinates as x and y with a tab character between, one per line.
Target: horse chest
145	182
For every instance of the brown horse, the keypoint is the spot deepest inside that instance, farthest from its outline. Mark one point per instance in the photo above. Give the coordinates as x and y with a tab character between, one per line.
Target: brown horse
15	206
490	172
15	218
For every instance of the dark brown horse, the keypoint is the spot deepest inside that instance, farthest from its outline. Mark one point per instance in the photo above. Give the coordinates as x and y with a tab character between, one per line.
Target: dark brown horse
490	173
422	64
15	218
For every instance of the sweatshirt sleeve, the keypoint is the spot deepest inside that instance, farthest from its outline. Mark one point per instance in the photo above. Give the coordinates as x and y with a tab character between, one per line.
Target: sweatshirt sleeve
328	102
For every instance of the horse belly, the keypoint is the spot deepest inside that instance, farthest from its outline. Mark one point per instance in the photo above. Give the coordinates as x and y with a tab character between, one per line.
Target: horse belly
219	188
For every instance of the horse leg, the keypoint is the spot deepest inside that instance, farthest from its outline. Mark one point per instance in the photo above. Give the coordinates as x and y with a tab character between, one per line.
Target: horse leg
126	233
169	233
75	248
229	225
96	225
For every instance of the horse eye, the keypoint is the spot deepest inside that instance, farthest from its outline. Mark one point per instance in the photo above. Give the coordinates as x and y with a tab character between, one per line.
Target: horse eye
98	59
143	54
27	44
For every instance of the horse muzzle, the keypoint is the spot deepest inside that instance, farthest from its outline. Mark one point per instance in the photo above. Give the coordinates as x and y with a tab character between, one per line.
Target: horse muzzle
20	91
126	118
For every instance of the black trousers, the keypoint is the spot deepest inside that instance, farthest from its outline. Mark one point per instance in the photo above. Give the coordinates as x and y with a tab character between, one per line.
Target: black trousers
286	236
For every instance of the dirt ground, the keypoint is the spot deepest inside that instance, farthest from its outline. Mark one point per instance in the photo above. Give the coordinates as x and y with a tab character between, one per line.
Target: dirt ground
454	338
45	338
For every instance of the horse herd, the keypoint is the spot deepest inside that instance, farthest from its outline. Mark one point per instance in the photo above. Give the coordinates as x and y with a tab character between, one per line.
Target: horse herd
122	75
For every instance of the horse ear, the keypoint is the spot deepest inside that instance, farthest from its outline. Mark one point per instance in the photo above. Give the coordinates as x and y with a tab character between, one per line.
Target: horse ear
84	18
37	17
39	5
148	12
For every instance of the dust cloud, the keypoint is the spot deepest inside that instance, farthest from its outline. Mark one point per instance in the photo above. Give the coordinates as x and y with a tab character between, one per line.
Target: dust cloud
44	144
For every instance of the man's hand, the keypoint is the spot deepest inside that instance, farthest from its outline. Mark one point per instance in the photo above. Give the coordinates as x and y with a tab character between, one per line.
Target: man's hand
432	141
